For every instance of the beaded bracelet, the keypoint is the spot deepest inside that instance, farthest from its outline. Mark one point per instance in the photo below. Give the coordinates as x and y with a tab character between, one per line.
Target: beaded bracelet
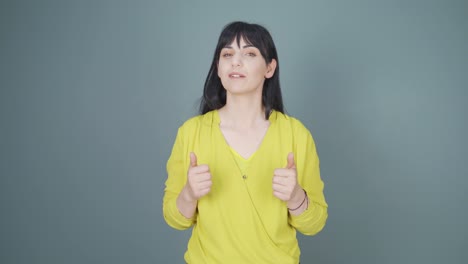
305	198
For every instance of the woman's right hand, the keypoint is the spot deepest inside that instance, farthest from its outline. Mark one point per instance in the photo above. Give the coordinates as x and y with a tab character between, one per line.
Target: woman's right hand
198	179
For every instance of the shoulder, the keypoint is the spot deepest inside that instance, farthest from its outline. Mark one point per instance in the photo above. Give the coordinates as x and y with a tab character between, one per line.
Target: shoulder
285	120
198	121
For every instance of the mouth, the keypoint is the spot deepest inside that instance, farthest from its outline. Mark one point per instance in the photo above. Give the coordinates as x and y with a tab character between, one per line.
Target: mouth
236	75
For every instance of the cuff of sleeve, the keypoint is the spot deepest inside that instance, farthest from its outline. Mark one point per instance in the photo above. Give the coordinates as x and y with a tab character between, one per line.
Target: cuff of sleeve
312	220
175	218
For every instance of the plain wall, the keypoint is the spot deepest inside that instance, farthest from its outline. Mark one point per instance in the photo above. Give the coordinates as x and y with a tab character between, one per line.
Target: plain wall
92	94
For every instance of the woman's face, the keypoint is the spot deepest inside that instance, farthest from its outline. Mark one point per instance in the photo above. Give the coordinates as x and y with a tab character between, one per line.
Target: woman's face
243	69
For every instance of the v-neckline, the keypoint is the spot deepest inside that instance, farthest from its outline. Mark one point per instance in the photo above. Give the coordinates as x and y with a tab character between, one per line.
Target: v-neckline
265	137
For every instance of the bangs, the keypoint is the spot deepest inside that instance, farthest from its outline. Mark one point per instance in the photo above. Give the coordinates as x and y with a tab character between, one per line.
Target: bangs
250	33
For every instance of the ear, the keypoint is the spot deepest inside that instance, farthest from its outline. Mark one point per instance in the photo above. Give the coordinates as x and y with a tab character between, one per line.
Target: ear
271	67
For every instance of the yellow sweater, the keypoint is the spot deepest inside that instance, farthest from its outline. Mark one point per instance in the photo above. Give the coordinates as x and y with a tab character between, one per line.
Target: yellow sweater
240	220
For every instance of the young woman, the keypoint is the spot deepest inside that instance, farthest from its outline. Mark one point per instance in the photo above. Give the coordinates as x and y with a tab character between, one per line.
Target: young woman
243	173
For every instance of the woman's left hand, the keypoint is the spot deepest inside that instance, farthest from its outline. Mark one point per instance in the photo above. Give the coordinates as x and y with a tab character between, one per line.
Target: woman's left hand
285	185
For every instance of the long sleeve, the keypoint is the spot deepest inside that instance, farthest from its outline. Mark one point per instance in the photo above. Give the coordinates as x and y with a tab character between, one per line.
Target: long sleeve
176	172
312	220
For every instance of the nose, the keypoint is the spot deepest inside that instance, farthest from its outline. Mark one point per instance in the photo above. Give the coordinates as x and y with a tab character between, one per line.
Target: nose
236	60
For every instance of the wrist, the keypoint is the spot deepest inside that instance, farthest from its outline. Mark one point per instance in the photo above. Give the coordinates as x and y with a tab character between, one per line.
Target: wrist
187	196
298	200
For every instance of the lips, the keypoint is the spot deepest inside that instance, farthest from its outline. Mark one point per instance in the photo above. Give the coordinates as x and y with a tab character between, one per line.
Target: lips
236	75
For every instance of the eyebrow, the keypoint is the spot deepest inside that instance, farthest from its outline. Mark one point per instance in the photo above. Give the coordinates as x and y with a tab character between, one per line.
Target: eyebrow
246	46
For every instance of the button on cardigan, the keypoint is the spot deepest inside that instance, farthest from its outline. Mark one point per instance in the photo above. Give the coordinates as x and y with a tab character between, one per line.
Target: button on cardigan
240	220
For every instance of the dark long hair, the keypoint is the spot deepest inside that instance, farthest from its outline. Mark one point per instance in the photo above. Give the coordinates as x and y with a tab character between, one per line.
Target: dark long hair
214	94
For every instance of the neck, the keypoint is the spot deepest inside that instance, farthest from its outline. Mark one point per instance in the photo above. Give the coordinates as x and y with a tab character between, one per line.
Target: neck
242	111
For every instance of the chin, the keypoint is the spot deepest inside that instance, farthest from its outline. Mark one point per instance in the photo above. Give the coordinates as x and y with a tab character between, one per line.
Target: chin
240	90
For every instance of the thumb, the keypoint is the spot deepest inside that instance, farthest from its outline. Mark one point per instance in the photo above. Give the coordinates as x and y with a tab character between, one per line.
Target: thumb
291	163
193	159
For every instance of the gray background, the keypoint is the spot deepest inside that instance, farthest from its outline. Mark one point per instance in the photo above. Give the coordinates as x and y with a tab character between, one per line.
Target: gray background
92	94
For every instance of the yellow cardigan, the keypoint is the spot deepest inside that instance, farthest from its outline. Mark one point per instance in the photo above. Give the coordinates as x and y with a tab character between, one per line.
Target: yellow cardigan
240	221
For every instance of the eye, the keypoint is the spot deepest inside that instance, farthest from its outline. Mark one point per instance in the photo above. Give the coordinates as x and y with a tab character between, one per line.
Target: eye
251	54
226	55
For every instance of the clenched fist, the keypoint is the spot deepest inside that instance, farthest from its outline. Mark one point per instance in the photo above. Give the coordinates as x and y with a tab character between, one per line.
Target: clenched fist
285	186
198	179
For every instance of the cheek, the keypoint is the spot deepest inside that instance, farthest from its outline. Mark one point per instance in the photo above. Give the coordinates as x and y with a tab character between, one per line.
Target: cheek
221	69
261	70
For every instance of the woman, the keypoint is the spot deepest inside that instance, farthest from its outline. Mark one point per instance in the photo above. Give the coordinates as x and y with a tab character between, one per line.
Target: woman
242	173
